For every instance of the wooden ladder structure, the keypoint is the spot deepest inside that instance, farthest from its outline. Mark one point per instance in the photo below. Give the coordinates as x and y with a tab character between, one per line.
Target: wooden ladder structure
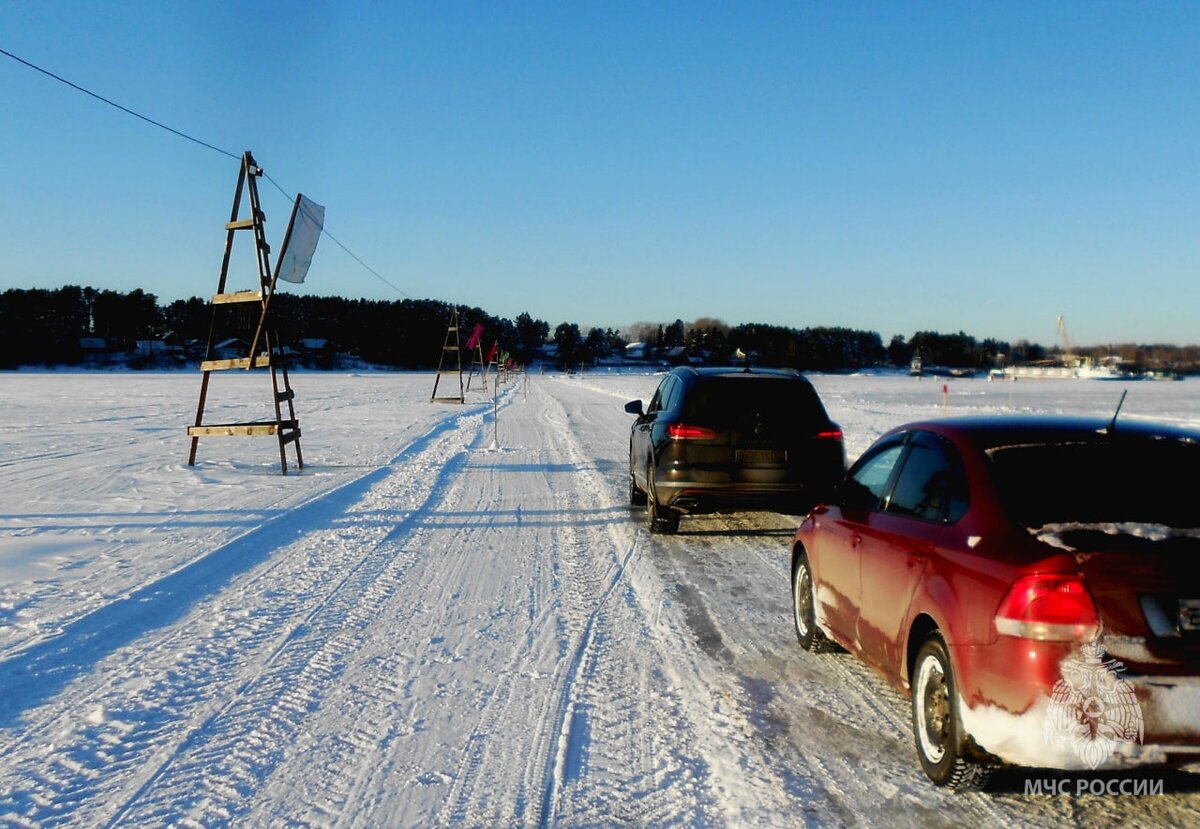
286	428
451	348
477	360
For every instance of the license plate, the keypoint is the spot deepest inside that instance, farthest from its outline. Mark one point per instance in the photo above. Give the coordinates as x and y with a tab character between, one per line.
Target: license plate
1189	614
761	456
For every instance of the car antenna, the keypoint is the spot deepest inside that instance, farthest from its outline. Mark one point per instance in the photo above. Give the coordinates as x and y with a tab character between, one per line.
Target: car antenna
1112	424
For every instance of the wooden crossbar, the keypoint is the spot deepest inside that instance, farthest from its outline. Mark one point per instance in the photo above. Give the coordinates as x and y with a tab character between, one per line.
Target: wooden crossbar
261	428
239	296
261	361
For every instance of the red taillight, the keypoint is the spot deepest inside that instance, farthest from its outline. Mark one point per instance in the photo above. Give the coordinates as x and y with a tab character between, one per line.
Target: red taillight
681	431
1049	608
832	434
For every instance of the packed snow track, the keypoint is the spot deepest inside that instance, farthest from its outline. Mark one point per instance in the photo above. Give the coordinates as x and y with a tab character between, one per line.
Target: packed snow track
449	617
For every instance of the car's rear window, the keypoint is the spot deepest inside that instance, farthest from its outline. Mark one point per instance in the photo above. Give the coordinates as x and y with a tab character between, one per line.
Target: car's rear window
722	401
1111	480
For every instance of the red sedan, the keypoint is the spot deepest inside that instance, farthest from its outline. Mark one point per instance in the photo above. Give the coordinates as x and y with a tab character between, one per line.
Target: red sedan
1034	583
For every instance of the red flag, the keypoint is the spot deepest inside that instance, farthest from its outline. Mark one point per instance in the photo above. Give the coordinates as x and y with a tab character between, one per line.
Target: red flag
476	336
491	355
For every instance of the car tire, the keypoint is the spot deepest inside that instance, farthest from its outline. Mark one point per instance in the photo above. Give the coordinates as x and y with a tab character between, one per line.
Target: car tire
804	606
659	519
637	498
937	725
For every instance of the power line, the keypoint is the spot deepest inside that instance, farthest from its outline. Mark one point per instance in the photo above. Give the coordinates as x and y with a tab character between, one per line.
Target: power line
118	106
195	140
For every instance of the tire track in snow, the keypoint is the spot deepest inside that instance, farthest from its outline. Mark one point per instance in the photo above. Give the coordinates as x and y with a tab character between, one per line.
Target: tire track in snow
629	749
167	683
463	800
568	566
652	765
561	731
343	765
39	671
218	757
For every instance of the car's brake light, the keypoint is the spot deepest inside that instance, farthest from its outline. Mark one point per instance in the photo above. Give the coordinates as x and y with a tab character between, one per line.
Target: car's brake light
682	431
831	434
1052	608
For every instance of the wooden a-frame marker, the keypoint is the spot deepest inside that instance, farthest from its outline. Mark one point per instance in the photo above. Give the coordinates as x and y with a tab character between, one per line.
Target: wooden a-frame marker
476	356
285	428
450	366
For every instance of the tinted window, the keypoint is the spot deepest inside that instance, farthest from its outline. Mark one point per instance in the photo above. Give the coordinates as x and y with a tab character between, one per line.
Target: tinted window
1112	480
868	481
671	401
729	401
931	485
660	394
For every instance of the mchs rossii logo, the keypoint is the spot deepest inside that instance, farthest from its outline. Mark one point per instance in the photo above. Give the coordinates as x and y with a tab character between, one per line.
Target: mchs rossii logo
1092	709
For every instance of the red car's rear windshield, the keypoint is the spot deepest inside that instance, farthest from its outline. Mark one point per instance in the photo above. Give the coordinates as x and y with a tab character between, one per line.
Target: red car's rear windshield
1108	481
728	401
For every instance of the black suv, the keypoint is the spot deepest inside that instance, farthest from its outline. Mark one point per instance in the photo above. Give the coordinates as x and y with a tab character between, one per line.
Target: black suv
729	439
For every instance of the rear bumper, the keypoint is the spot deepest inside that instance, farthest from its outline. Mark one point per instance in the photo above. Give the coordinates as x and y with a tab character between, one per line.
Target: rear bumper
697	497
1042	704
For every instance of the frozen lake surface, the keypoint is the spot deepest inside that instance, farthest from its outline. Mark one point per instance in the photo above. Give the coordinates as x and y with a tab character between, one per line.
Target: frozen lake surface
442	620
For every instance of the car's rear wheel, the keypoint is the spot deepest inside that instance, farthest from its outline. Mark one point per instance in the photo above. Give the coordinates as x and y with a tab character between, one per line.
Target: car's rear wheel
659	519
937	726
804	609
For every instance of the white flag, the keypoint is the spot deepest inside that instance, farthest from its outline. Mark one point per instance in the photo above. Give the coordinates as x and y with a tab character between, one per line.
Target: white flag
308	218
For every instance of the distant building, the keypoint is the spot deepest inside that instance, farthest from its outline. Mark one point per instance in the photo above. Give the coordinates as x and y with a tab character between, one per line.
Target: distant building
637	351
151	348
679	356
93	349
233	348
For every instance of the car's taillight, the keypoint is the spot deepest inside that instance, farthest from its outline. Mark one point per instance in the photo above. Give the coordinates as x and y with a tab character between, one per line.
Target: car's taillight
1049	608
831	434
682	431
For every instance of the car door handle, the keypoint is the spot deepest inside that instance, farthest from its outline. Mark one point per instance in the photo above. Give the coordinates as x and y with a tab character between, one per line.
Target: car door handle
914	559
856	540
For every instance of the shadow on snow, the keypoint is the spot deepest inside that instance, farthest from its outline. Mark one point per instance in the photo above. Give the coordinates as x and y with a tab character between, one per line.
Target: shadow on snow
38	673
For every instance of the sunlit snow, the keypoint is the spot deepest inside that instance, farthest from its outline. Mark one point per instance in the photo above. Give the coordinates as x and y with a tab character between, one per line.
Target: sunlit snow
442	619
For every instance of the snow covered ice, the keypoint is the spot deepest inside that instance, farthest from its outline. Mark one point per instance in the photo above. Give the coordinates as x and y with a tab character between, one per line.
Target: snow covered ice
421	628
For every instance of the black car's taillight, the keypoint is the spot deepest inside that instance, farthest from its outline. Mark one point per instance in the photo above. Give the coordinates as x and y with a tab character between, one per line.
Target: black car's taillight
682	431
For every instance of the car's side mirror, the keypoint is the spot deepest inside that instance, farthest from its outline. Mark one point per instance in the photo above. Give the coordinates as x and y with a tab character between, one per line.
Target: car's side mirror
634	407
850	494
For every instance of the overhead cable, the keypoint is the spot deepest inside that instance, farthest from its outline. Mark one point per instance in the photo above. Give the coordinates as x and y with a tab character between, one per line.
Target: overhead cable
195	140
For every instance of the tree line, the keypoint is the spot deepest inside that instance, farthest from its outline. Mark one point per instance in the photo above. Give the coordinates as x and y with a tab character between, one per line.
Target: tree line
52	327
57	327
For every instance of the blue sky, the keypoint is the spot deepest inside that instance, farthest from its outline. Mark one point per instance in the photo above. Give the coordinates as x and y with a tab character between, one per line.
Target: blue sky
888	166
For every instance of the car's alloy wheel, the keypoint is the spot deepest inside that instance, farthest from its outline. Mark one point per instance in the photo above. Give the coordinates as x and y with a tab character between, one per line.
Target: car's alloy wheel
804	609
659	519
937	728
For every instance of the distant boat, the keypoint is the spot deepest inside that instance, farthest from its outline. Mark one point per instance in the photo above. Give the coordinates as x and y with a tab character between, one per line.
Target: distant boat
1072	367
1083	369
